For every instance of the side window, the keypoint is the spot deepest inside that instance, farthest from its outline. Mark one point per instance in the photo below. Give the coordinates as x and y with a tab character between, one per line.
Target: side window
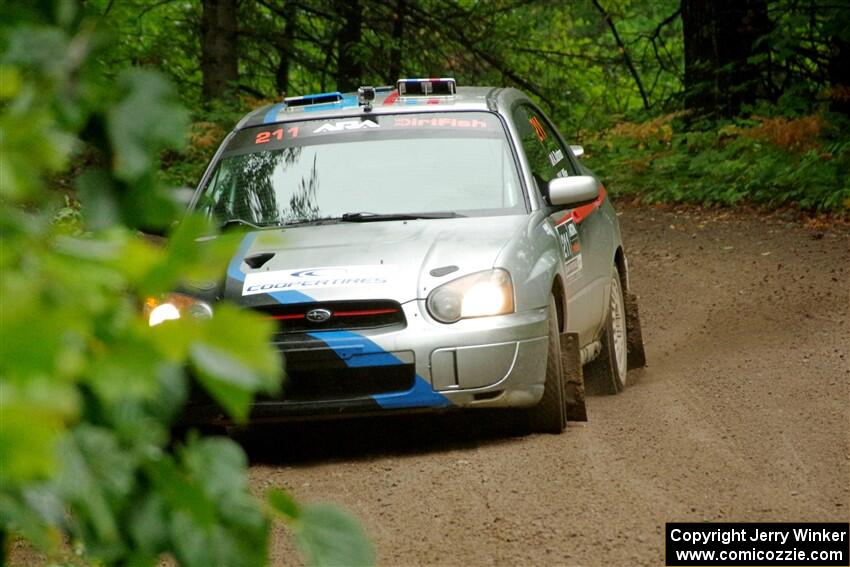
546	156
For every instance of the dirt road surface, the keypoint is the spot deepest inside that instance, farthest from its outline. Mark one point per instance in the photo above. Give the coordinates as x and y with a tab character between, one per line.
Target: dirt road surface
743	414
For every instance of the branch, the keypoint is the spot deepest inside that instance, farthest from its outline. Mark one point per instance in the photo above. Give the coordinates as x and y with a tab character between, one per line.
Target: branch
666	21
473	46
152	7
626	59
252	91
565	54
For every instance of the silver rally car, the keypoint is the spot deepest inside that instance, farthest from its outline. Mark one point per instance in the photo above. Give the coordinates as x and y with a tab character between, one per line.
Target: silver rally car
423	247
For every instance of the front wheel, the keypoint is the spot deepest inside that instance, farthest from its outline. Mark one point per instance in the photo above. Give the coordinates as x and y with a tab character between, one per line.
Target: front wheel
607	374
550	414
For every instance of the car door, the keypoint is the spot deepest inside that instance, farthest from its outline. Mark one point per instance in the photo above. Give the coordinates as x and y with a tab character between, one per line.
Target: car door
581	231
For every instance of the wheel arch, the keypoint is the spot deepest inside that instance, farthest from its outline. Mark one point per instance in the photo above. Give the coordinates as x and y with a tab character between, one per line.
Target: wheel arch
622	267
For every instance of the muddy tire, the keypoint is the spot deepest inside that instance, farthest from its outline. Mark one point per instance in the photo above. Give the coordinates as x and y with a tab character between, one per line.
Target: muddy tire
550	414
607	374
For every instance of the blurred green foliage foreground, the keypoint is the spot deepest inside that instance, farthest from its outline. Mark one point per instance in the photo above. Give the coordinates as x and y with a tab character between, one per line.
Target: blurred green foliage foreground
89	392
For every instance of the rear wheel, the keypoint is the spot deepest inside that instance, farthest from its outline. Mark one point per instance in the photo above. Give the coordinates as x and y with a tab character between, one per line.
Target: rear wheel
607	374
550	414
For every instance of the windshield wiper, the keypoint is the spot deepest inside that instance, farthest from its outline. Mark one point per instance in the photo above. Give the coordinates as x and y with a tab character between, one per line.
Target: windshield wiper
277	224
239	222
362	216
365	216
305	222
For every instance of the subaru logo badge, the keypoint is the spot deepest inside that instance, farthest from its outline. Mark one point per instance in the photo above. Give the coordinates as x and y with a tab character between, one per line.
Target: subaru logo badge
318	315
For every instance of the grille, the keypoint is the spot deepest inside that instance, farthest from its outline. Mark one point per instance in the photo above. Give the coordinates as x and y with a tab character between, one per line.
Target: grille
320	375
343	315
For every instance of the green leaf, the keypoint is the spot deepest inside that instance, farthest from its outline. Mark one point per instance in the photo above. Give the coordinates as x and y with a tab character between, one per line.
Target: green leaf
283	504
183	252
180	494
126	371
234	358
328	536
237	532
28	436
97	194
31	145
227	380
146	120
148	524
96	477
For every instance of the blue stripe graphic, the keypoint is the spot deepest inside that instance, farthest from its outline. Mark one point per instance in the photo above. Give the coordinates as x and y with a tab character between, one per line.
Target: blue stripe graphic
358	351
234	271
291	296
271	115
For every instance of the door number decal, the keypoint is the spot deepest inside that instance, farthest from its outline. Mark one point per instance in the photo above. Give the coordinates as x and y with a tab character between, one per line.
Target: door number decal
570	246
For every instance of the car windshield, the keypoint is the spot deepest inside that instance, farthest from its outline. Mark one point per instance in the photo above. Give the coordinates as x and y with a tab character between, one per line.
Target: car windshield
457	163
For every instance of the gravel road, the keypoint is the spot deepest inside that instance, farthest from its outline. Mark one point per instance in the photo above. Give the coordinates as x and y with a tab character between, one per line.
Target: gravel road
743	414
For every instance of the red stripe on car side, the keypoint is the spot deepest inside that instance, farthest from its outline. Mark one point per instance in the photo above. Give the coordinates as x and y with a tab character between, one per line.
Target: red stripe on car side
580	213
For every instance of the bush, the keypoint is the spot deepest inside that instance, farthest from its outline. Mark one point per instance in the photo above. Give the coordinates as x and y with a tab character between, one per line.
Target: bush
88	391
803	163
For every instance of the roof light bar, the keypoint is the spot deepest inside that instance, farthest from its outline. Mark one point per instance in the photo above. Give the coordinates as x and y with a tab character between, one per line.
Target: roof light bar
426	87
307	100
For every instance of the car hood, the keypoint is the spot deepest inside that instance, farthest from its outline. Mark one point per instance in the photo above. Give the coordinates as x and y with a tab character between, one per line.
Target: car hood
370	260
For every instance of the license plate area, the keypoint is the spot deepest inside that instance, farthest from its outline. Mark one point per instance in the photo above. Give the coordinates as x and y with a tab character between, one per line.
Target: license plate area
323	374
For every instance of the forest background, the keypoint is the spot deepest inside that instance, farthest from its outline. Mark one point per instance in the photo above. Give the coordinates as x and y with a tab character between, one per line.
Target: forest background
106	106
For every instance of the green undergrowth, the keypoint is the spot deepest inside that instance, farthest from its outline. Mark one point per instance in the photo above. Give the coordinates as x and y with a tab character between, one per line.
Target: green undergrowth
774	163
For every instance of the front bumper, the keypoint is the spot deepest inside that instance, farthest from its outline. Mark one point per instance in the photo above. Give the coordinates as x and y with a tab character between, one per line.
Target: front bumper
487	362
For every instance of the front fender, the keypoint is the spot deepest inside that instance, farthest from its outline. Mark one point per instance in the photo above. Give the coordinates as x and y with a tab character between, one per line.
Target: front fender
533	257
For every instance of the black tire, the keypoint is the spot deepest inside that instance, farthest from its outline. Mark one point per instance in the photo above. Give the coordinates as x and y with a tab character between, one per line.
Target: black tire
605	375
550	414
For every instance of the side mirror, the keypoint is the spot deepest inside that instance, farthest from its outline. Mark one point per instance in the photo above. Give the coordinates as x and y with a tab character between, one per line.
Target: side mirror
573	191
578	151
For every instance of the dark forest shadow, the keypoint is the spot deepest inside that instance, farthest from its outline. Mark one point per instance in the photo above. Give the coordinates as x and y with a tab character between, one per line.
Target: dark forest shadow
365	438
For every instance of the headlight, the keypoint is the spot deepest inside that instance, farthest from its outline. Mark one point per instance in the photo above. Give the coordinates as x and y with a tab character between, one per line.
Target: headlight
475	295
173	306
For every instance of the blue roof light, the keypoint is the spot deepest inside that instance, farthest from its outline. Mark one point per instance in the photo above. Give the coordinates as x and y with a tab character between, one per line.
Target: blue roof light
320	98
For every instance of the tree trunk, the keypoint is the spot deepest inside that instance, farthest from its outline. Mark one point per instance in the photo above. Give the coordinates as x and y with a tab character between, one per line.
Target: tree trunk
721	38
839	76
284	48
349	65
219	63
394	70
